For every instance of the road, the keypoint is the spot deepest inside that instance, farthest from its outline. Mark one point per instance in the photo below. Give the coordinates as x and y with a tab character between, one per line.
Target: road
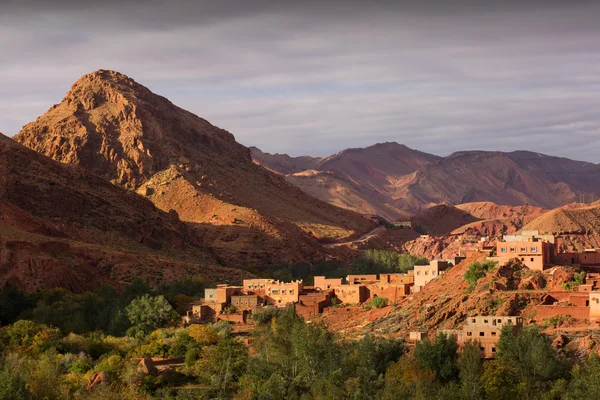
359	240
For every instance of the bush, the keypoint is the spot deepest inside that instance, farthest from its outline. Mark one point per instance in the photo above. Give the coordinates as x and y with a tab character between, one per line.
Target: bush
476	271
264	317
579	278
379	302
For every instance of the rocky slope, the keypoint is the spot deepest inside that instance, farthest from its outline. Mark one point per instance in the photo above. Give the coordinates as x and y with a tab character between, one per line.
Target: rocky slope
120	130
357	179
389	176
515	178
445	303
61	225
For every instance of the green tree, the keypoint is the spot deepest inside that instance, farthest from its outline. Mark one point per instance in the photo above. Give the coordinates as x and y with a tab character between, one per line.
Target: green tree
470	371
439	357
148	313
478	270
535	362
585	384
12	385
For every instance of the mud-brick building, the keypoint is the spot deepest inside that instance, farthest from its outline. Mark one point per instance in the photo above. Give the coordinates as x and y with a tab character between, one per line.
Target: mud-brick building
485	330
274	292
246	301
361	279
313	301
324	283
423	274
534	252
397	278
351	294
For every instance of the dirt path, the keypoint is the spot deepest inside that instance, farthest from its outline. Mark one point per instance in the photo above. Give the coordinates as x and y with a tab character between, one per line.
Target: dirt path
359	240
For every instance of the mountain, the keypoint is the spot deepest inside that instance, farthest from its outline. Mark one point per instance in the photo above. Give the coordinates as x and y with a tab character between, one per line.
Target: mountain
361	180
282	163
515	178
63	226
120	130
392	180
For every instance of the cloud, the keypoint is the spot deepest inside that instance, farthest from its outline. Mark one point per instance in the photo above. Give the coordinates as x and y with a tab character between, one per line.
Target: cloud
317	77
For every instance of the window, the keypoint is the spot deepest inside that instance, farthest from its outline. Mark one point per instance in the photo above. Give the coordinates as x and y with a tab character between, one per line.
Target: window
481	334
283	291
513	250
523	249
292	291
534	249
493	333
473	320
531	259
275	291
493	349
432	272
469	333
503	250
426	272
418	272
522	258
482	348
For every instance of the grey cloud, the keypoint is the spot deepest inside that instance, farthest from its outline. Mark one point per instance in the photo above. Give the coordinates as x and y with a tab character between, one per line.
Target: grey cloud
313	78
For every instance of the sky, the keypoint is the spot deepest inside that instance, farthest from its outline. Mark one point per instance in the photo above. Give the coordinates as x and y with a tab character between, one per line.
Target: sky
313	78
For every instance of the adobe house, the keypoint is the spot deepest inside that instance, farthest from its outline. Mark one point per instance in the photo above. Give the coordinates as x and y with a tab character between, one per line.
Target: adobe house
485	330
246	301
397	278
351	294
574	304
534	251
393	292
425	273
313	303
588	257
324	283
361	279
594	302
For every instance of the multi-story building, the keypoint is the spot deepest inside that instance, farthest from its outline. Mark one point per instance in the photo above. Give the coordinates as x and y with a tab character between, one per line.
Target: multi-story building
425	273
534	250
485	330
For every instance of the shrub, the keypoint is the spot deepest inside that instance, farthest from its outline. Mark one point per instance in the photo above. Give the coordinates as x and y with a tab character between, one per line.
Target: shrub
379	302
579	278
476	271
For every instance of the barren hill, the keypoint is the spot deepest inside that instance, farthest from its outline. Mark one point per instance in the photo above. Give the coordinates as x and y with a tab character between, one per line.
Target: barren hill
62	225
117	128
357	179
516	178
389	176
441	219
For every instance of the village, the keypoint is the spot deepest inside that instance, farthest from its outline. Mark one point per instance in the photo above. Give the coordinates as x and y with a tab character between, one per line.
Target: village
536	251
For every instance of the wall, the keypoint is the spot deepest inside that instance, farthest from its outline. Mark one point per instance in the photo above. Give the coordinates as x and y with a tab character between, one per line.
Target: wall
359	279
246	302
544	311
326	283
585	258
351	294
594	304
425	273
235	318
282	292
392	292
397	278
534	254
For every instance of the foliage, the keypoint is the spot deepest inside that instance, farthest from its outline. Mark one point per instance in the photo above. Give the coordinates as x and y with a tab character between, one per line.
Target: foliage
381	261
264	317
476	271
439	357
148	313
378	302
202	334
578	279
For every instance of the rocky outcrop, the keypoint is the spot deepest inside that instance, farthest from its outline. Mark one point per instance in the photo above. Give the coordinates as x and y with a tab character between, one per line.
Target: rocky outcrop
99	378
118	129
